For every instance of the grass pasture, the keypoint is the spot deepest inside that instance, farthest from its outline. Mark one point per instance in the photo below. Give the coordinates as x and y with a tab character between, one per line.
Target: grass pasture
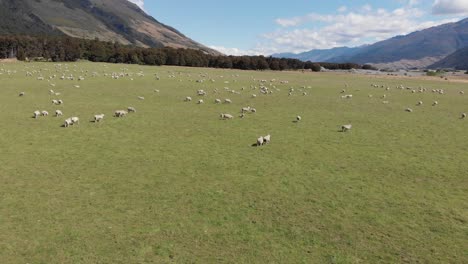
173	183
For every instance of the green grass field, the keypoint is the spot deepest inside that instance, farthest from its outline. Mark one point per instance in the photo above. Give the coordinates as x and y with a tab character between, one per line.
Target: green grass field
173	183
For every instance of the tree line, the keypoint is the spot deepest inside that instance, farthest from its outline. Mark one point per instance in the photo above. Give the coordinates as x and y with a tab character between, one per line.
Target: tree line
69	49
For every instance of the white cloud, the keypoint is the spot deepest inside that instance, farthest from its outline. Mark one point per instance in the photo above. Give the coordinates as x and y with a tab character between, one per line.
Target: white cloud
139	3
235	51
450	7
353	28
342	9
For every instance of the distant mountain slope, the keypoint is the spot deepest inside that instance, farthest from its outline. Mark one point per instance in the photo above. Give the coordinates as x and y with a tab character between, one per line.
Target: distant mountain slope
418	49
108	20
321	55
457	60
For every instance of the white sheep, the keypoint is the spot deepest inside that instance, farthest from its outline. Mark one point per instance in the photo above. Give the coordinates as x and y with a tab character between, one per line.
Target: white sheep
298	118
217	101
75	120
266	139
345	128
419	103
120	113
188	99
200	101
131	109
245	109
227	101
98	118
463	115
254	95
260	141
226	116
21	94
36	114
68	122
409	110
45	113
58	113
462	92
435	103
141	98
55	102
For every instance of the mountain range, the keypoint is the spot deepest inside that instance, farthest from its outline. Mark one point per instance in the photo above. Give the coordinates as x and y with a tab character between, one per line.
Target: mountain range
419	49
109	20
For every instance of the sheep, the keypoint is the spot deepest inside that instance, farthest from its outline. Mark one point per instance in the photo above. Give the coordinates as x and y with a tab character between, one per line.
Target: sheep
345	128
435	103
120	113
266	139
260	141
419	103
304	93
188	99
131	109
409	110
242	115
298	118
348	96
98	118
55	102
45	113
51	92
226	116
217	101
245	109
21	94
201	93
68	122
58	113
254	95
200	101
141	98
463	115
36	114
75	120
462	92
253	110
227	101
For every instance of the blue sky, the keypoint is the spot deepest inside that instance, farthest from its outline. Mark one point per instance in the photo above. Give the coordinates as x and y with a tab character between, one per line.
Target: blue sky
266	27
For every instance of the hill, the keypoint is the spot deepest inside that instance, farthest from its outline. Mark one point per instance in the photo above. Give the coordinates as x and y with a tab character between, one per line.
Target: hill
418	49
457	60
108	20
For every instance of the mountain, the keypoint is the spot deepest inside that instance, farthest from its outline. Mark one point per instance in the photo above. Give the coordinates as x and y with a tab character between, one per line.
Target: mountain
418	49
108	20
321	55
457	60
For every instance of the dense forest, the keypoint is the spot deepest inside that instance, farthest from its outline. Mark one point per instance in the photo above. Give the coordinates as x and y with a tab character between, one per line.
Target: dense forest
63	49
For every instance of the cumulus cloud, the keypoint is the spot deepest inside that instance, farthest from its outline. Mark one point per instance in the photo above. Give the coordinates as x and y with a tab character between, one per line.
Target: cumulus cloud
139	3
450	7
353	28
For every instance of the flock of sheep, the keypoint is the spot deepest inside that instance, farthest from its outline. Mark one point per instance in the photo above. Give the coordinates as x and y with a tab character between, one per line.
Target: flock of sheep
262	87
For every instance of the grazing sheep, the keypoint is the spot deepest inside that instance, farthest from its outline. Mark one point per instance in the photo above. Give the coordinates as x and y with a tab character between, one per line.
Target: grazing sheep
58	113
260	141
226	116
75	120
463	115
227	101
68	122
462	92
45	113
55	102
345	128
141	98
298	118
188	99
348	96
217	101
120	113
51	92
200	101
266	139
409	110
384	102
131	109
245	109
304	93
36	114
435	103
419	103
21	94
98	118
254	95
